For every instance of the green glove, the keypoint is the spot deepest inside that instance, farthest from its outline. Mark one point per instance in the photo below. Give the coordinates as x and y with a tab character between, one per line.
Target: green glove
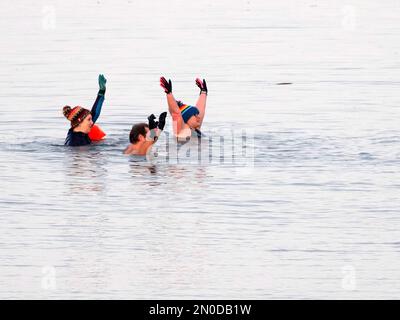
102	84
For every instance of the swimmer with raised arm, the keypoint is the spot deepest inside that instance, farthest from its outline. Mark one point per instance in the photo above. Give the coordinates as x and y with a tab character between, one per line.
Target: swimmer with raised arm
143	135
83	120
187	120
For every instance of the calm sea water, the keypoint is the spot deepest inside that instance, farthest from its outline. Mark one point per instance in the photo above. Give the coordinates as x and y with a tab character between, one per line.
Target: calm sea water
314	214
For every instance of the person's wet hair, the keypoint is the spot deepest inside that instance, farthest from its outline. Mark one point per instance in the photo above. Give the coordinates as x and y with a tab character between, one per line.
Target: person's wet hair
136	131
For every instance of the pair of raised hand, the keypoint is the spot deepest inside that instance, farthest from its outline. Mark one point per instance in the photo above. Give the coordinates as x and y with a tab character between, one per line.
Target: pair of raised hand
167	85
160	124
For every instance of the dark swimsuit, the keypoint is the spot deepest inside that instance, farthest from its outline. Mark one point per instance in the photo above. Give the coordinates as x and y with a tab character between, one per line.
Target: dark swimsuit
76	139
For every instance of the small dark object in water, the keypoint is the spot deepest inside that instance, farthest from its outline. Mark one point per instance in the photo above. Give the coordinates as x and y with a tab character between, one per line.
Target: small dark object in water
283	83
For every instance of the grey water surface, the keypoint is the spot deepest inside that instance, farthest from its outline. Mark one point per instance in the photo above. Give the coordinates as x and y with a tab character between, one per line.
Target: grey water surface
313	212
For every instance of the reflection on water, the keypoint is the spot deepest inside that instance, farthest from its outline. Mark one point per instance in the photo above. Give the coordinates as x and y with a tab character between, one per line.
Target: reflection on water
139	170
85	170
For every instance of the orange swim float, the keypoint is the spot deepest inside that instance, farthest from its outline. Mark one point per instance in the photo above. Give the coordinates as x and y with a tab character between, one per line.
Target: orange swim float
96	134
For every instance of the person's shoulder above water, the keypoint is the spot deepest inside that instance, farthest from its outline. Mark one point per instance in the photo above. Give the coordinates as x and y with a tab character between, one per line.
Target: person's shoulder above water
76	139
143	135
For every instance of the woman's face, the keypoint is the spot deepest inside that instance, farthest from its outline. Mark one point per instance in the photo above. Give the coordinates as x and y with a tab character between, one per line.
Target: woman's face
194	122
86	125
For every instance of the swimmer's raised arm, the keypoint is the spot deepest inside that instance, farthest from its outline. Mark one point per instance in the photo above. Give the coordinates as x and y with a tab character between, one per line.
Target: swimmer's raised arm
156	127
172	104
201	102
96	109
173	107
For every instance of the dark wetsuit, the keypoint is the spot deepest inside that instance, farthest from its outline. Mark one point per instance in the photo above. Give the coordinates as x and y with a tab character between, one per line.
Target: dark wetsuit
76	139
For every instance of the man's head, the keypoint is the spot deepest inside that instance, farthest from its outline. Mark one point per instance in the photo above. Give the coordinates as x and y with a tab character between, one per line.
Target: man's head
138	133
190	115
81	118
